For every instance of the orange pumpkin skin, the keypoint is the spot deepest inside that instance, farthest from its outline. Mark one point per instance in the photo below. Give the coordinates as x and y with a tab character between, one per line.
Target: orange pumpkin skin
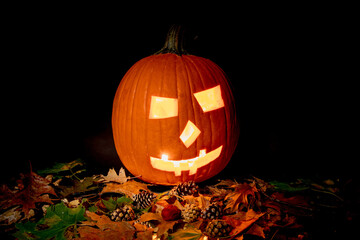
138	138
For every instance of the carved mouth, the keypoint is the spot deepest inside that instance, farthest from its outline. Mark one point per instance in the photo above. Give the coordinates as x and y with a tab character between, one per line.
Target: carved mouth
192	165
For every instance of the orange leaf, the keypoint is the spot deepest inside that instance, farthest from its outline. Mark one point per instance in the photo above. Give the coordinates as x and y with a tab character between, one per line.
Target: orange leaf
146	235
149	216
165	226
242	220
104	223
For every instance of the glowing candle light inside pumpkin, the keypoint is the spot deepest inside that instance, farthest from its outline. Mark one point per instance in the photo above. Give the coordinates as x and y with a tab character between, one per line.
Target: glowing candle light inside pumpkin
190	134
161	107
210	99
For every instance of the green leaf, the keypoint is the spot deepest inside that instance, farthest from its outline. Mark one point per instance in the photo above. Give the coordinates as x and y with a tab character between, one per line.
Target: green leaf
93	209
124	199
186	234
57	220
61	167
25	230
109	204
286	187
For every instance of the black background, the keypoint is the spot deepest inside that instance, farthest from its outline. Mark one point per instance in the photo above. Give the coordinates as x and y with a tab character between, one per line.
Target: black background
289	71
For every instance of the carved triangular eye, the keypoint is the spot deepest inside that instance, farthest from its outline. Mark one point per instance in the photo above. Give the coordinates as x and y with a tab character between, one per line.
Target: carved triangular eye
161	107
210	99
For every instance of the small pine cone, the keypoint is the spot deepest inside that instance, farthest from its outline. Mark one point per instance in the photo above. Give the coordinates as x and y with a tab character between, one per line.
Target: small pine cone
211	212
186	188
190	213
143	199
124	214
217	229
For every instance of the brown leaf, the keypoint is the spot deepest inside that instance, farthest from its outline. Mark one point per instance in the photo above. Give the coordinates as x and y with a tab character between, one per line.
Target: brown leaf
150	216
256	230
201	201
110	229
146	235
129	188
10	216
240	195
112	176
242	220
165	226
34	190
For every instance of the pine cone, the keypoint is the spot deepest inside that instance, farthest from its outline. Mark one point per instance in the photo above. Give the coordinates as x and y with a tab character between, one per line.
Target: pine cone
190	213
124	214
218	228
186	188
212	212
143	199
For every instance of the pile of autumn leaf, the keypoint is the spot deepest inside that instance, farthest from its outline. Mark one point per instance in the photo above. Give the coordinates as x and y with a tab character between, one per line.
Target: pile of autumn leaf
58	204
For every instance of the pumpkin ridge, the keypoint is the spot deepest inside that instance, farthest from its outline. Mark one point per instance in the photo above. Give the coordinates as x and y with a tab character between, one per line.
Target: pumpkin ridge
203	86
132	128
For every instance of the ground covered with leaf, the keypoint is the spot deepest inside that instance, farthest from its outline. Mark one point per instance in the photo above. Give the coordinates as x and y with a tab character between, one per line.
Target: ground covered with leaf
65	202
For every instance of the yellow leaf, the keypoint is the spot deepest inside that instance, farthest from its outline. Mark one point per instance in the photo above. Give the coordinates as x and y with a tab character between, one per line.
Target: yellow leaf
129	188
150	216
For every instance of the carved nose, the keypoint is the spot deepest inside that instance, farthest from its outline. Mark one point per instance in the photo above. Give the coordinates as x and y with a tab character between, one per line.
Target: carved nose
189	134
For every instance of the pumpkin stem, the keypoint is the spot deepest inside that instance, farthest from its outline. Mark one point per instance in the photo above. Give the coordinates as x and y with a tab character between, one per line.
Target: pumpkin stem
174	41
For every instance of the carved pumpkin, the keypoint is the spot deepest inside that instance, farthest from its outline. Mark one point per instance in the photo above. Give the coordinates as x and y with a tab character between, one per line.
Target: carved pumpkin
174	117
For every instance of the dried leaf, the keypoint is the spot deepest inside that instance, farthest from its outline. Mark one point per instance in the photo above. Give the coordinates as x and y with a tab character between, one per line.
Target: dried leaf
112	176
165	226
35	190
150	216
187	234
240	195
10	216
242	220
129	188
256	230
115	230
201	201
145	235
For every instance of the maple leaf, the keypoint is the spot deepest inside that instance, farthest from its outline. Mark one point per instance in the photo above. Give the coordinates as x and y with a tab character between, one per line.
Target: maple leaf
240	195
113	177
35	189
57	220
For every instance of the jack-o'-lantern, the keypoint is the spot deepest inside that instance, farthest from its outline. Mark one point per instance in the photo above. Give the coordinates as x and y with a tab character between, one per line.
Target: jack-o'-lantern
174	117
